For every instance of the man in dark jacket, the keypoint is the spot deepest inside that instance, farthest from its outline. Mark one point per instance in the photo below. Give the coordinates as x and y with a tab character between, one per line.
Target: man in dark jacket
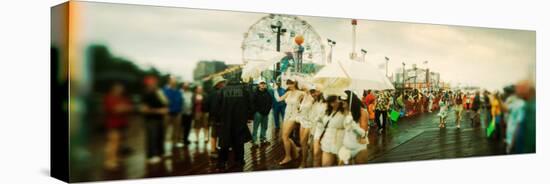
235	108
154	107
212	106
261	104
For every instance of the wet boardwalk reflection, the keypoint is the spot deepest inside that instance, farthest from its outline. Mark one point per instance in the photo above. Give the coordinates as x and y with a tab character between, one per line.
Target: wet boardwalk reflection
412	138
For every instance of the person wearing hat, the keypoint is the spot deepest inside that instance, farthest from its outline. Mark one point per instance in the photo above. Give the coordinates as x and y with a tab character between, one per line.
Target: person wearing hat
154	108
212	106
261	105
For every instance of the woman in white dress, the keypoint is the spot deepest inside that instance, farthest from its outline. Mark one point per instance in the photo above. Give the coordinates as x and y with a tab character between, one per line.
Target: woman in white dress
317	127
292	98
332	134
355	137
311	111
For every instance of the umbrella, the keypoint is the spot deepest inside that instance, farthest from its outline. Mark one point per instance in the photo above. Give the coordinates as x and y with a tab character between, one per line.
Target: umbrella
353	75
333	79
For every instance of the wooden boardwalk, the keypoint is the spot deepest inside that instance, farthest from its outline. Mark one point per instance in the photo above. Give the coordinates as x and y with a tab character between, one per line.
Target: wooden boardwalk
411	139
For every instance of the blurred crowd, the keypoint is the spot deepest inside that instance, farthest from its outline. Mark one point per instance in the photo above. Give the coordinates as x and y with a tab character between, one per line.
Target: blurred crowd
508	115
331	129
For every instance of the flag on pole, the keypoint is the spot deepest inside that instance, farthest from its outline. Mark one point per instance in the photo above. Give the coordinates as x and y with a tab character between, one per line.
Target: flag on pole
491	128
387	59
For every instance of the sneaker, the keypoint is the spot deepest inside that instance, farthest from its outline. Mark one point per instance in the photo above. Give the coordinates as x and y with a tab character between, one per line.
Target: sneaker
179	145
154	160
458	126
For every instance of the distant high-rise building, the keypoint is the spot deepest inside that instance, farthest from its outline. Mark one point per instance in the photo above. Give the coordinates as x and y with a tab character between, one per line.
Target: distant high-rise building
205	68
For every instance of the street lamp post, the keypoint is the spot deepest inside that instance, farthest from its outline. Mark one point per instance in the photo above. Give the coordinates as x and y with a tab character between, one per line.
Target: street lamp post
331	43
415	75
403	75
364	54
428	78
299	40
278	29
353	55
387	60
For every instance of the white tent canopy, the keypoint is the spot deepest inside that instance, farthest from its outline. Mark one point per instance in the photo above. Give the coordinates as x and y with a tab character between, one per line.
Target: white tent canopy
353	75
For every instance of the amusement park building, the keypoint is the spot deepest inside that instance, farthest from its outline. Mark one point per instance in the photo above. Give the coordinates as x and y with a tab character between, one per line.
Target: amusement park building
419	78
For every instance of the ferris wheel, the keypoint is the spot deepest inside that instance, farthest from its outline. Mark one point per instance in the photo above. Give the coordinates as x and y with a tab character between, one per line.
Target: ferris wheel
282	34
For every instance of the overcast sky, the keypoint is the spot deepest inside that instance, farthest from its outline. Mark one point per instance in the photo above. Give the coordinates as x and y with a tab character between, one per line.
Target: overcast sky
174	39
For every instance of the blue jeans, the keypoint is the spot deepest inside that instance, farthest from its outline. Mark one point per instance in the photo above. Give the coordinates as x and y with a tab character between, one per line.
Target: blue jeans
278	112
154	137
259	120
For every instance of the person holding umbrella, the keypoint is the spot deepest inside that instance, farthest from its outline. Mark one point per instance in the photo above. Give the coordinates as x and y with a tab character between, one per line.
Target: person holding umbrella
355	139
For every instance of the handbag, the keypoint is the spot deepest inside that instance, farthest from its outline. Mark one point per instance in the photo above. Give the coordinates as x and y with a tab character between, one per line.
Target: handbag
394	115
325	127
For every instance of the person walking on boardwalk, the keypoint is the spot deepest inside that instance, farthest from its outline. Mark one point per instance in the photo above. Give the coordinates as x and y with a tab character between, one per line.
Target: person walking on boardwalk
173	120
355	139
315	116
292	98
459	106
233	131
261	103
278	106
444	105
476	108
381	110
187	112
200	116
154	108
309	112
117	108
212	106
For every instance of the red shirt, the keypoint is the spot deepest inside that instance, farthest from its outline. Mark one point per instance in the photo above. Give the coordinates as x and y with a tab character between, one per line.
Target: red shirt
198	103
369	99
115	119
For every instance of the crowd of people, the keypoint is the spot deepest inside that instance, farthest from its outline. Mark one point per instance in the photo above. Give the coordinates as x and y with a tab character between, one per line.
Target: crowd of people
327	130
508	116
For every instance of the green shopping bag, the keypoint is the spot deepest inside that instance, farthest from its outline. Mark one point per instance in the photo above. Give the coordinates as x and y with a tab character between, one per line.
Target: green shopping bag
394	115
491	128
